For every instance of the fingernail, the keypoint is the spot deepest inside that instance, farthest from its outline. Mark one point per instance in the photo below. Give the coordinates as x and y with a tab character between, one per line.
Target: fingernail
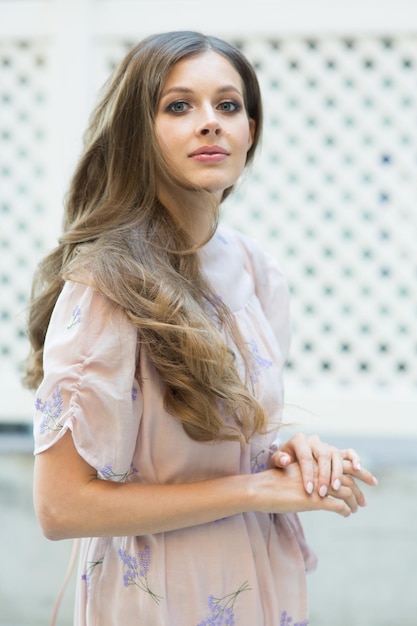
322	491
358	467
336	484
310	487
375	480
284	459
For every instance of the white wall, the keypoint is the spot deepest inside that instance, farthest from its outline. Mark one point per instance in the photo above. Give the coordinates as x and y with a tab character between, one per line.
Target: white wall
333	194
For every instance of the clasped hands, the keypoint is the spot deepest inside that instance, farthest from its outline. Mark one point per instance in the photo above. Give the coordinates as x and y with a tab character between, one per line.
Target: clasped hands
325	471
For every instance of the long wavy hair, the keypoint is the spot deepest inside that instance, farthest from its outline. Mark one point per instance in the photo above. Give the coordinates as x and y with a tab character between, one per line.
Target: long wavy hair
120	239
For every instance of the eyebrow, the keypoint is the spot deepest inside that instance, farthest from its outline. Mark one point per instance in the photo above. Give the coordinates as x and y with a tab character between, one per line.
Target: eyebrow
180	89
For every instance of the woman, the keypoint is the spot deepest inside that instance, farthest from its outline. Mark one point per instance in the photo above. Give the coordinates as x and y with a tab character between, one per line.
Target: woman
158	347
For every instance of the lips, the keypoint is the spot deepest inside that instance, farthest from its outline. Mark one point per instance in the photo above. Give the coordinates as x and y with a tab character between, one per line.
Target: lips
209	150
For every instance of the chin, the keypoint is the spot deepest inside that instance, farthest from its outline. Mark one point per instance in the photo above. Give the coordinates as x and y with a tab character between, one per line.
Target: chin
217	189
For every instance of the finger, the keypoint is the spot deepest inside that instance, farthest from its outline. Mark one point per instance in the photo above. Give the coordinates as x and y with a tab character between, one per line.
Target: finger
335	505
297	449
302	448
323	453
346	494
363	475
350	493
352	456
283	457
337	469
357	492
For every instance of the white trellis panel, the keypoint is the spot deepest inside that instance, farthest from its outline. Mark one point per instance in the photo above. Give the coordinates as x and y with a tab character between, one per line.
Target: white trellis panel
333	193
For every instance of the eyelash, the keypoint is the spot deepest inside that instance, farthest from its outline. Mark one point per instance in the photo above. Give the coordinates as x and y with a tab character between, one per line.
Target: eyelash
236	106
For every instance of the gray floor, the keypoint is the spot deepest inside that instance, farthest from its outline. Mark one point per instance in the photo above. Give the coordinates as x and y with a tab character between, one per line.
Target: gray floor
367	572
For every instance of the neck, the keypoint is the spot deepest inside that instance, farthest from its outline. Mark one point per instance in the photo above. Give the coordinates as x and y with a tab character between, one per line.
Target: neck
196	213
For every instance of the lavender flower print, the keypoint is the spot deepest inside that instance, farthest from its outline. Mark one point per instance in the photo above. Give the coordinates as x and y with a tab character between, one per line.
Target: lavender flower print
51	410
136	571
286	620
222	613
256	464
76	317
258	362
107	473
91	566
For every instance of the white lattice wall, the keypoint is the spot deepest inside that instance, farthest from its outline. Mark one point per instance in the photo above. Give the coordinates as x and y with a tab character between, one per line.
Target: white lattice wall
335	196
23	199
333	193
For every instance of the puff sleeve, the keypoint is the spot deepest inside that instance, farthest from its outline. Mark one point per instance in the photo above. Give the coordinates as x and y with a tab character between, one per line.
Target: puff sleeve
89	384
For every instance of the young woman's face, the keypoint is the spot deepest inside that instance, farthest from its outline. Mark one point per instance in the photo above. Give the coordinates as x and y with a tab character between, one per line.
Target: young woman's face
201	123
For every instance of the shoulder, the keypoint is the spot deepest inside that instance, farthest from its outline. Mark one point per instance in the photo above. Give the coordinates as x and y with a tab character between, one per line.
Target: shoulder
256	258
74	292
76	297
269	282
87	314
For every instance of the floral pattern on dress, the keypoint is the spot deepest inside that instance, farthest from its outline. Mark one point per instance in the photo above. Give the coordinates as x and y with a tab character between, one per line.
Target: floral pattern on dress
126	580
286	620
258	362
257	463
222	609
136	571
51	410
107	473
91	566
76	317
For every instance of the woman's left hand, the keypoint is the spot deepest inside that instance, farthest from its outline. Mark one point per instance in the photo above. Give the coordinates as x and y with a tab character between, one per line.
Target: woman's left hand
322	465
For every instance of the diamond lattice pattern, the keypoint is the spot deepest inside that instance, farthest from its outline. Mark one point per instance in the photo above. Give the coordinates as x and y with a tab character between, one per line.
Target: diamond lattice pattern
23	216
333	195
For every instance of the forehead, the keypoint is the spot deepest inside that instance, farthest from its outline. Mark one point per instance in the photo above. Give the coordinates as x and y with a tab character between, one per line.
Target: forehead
201	70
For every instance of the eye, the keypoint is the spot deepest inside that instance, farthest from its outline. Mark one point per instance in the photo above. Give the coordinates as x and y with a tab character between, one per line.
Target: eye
179	106
229	106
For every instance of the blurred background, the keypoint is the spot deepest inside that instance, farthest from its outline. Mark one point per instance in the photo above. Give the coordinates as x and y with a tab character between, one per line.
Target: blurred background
333	194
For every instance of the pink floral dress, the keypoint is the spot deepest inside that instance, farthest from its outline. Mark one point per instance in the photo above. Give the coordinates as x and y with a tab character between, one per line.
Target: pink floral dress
243	570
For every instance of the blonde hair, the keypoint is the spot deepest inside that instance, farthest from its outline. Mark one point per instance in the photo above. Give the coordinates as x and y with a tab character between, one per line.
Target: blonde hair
120	239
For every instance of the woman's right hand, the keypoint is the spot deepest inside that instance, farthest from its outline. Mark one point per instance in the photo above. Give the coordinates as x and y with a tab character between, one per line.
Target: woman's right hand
282	491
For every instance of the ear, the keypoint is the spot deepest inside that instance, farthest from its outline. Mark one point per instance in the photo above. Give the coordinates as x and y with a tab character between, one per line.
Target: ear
252	129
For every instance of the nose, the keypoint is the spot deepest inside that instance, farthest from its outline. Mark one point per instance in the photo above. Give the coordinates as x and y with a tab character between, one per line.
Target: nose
211	129
210	124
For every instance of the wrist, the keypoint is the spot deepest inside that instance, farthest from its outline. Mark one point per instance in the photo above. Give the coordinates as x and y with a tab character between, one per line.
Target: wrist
262	490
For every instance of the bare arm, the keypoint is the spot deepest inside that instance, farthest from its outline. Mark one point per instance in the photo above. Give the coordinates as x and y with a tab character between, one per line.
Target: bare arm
70	500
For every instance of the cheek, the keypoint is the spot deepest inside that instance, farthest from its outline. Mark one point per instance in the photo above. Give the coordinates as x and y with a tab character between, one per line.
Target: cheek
164	140
245	137
245	144
170	141
163	130
159	135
